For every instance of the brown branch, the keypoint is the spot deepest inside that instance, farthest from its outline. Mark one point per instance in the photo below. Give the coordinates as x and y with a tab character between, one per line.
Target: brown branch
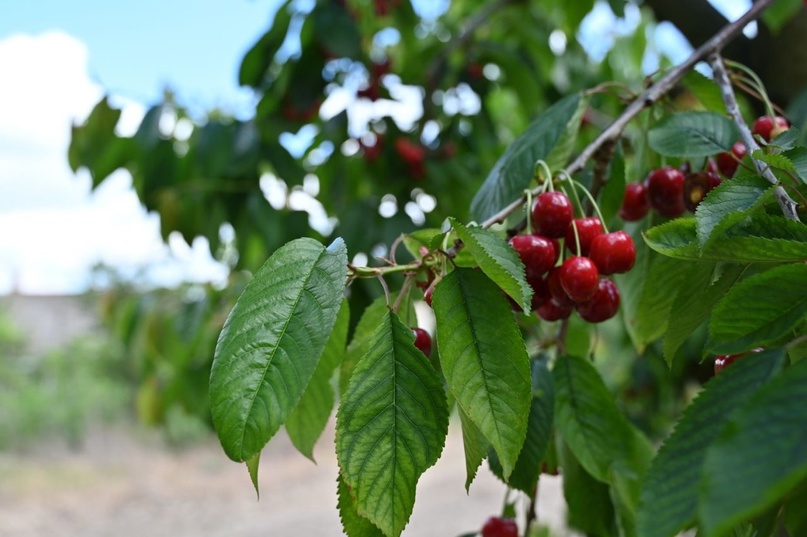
786	203
655	92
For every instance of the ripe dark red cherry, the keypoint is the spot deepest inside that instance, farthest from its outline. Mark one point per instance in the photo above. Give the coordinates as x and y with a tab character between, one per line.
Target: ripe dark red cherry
537	253
613	253
769	128
727	162
634	205
665	191
587	229
500	527
423	341
722	361
603	305
427	296
579	277
540	290
556	291
552	213
696	186
549	310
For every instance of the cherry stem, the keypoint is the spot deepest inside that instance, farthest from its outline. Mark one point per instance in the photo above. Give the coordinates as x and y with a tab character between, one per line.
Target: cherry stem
592	201
410	278
542	166
528	227
754	82
386	289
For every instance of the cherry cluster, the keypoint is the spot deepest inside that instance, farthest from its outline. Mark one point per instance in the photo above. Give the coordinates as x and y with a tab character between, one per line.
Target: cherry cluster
672	191
575	283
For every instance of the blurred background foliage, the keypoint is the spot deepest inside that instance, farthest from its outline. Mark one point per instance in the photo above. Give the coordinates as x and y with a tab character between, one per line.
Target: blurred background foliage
375	118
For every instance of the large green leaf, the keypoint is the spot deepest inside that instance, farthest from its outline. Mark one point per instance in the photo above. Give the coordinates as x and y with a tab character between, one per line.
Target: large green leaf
759	310
391	425
272	341
256	61
763	447
476	447
498	260
728	198
764	238
677	238
798	156
352	522
550	137
694	306
539	431
599	435
669	494
590	506
308	419
484	359
692	134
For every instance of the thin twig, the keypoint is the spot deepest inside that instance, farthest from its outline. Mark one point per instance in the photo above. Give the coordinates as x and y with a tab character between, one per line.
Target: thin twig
786	203
648	98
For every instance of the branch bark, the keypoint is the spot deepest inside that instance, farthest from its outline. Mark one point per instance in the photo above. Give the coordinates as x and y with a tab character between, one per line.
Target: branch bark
655	92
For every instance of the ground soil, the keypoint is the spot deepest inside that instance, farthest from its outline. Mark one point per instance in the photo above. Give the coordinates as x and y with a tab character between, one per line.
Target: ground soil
127	484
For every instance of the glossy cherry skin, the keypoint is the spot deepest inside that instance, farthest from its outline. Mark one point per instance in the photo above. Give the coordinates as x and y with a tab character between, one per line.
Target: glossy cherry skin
556	291
587	228
613	253
550	310
423	341
634	204
769	128
579	277
728	161
603	305
537	253
552	213
722	361
500	527
665	191
427	296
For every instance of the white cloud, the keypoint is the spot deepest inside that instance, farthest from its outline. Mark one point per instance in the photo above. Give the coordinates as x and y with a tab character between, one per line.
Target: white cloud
52	229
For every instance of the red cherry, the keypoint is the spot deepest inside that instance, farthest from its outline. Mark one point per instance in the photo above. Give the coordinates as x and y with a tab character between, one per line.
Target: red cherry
423	341
634	205
603	305
500	527
540	290
537	253
427	296
409	151
549	310
665	191
769	128
722	361
613	253
552	213
579	277
727	162
556	291
587	229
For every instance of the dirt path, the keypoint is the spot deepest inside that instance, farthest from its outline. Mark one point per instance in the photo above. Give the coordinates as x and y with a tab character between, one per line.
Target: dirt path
126	487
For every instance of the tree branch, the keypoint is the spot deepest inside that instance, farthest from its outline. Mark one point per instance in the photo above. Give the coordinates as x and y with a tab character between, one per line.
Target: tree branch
648	98
786	203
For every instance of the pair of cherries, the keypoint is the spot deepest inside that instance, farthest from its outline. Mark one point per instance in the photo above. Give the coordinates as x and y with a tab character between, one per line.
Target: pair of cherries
575	284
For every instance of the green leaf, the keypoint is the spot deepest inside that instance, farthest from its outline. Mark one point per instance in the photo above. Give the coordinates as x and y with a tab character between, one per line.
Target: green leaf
391	426
759	310
252	467
692	134
256	61
308	419
780	13
676	238
539	431
794	513
550	137
476	447
360	344
705	90
798	156
694	306
669	496
728	198
498	261
763	446
590	507
352	522
774	160
763	238
272	341
336	30
484	359
614	190
95	146
421	238
599	435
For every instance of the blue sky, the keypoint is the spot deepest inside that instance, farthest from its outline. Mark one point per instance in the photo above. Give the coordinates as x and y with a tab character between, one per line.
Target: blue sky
137	48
